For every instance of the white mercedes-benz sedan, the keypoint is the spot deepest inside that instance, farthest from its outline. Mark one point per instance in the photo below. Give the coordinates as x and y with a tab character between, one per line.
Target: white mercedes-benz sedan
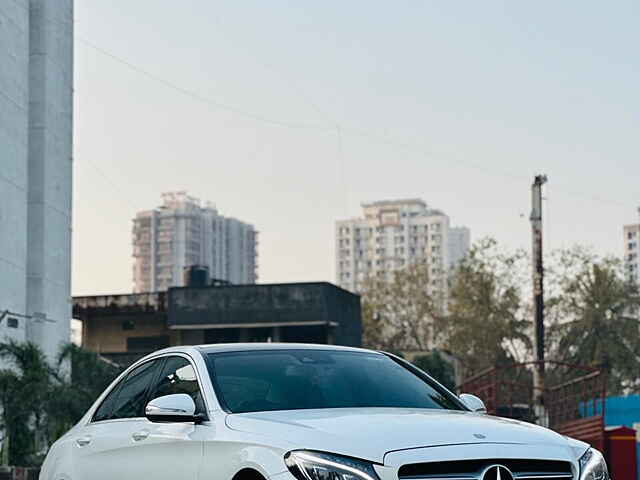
301	412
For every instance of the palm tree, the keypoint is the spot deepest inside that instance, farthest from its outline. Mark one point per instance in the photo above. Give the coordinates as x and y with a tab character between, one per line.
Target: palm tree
40	403
25	386
596	312
72	395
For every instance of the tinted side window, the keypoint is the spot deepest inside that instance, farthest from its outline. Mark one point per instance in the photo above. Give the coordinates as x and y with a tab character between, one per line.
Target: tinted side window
128	397
178	376
106	407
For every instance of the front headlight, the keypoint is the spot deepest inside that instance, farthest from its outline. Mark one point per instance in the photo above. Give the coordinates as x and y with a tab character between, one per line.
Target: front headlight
593	466
308	465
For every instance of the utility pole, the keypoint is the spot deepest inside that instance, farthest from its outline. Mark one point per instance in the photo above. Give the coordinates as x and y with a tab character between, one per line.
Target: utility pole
538	297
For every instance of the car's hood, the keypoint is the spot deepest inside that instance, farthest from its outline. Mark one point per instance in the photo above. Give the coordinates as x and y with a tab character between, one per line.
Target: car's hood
369	433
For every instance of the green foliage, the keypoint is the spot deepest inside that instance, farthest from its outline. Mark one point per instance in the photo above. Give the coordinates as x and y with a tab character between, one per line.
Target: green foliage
401	313
40	403
593	315
24	388
90	376
438	367
487	322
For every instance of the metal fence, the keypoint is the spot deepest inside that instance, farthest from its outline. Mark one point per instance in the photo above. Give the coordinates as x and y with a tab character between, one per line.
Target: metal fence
574	396
19	473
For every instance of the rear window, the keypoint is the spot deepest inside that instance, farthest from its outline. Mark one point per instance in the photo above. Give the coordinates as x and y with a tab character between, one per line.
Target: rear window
307	379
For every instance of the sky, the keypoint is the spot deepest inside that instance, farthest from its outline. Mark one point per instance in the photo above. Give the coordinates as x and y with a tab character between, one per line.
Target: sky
289	114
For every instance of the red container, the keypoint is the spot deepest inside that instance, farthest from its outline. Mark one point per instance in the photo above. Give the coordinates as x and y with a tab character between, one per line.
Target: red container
620	452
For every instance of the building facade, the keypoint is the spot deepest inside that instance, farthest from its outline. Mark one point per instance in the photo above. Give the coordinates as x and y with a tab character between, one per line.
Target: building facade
459	240
393	234
36	111
632	251
183	232
124	328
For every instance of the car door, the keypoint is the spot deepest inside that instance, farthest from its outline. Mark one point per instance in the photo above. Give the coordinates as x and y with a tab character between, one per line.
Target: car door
107	448
176	448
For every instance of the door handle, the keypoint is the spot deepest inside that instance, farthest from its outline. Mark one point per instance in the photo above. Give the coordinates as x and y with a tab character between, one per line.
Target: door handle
84	441
141	435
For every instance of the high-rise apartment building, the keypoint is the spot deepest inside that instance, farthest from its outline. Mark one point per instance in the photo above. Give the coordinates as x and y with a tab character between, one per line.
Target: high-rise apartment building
36	110
459	239
632	250
393	234
183	232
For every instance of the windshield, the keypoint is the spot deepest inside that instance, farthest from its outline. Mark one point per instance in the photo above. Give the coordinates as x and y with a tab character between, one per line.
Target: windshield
303	379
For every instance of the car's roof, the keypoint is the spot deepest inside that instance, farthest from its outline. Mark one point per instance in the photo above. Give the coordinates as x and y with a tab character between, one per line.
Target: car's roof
247	347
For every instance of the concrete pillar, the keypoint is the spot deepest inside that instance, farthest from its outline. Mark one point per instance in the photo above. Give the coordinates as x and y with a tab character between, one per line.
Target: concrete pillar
50	173
14	121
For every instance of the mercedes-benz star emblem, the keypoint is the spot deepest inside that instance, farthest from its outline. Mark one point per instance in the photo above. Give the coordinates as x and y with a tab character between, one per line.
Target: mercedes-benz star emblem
497	472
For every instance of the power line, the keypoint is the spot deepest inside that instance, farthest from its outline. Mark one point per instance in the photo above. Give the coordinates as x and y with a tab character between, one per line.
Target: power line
488	171
6	179
335	127
112	184
12	263
198	97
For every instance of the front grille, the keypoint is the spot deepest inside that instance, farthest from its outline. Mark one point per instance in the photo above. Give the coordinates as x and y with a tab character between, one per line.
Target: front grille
521	469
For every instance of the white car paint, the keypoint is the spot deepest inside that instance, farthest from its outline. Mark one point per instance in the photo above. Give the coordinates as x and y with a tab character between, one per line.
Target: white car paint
228	443
370	433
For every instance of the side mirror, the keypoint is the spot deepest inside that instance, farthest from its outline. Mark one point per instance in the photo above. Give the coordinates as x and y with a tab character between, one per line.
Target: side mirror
177	408
473	403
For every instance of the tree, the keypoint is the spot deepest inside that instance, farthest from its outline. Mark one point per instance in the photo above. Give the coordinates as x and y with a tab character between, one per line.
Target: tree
438	367
39	403
593	315
487	319
72	396
25	387
401	311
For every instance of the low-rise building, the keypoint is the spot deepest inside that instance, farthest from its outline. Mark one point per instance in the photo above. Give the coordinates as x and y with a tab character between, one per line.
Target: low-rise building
123	328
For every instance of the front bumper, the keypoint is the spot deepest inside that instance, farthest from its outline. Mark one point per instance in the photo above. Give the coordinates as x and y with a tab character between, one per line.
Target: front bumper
471	451
282	476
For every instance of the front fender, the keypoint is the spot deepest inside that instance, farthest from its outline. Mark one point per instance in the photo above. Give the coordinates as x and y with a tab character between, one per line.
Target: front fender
224	459
57	464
